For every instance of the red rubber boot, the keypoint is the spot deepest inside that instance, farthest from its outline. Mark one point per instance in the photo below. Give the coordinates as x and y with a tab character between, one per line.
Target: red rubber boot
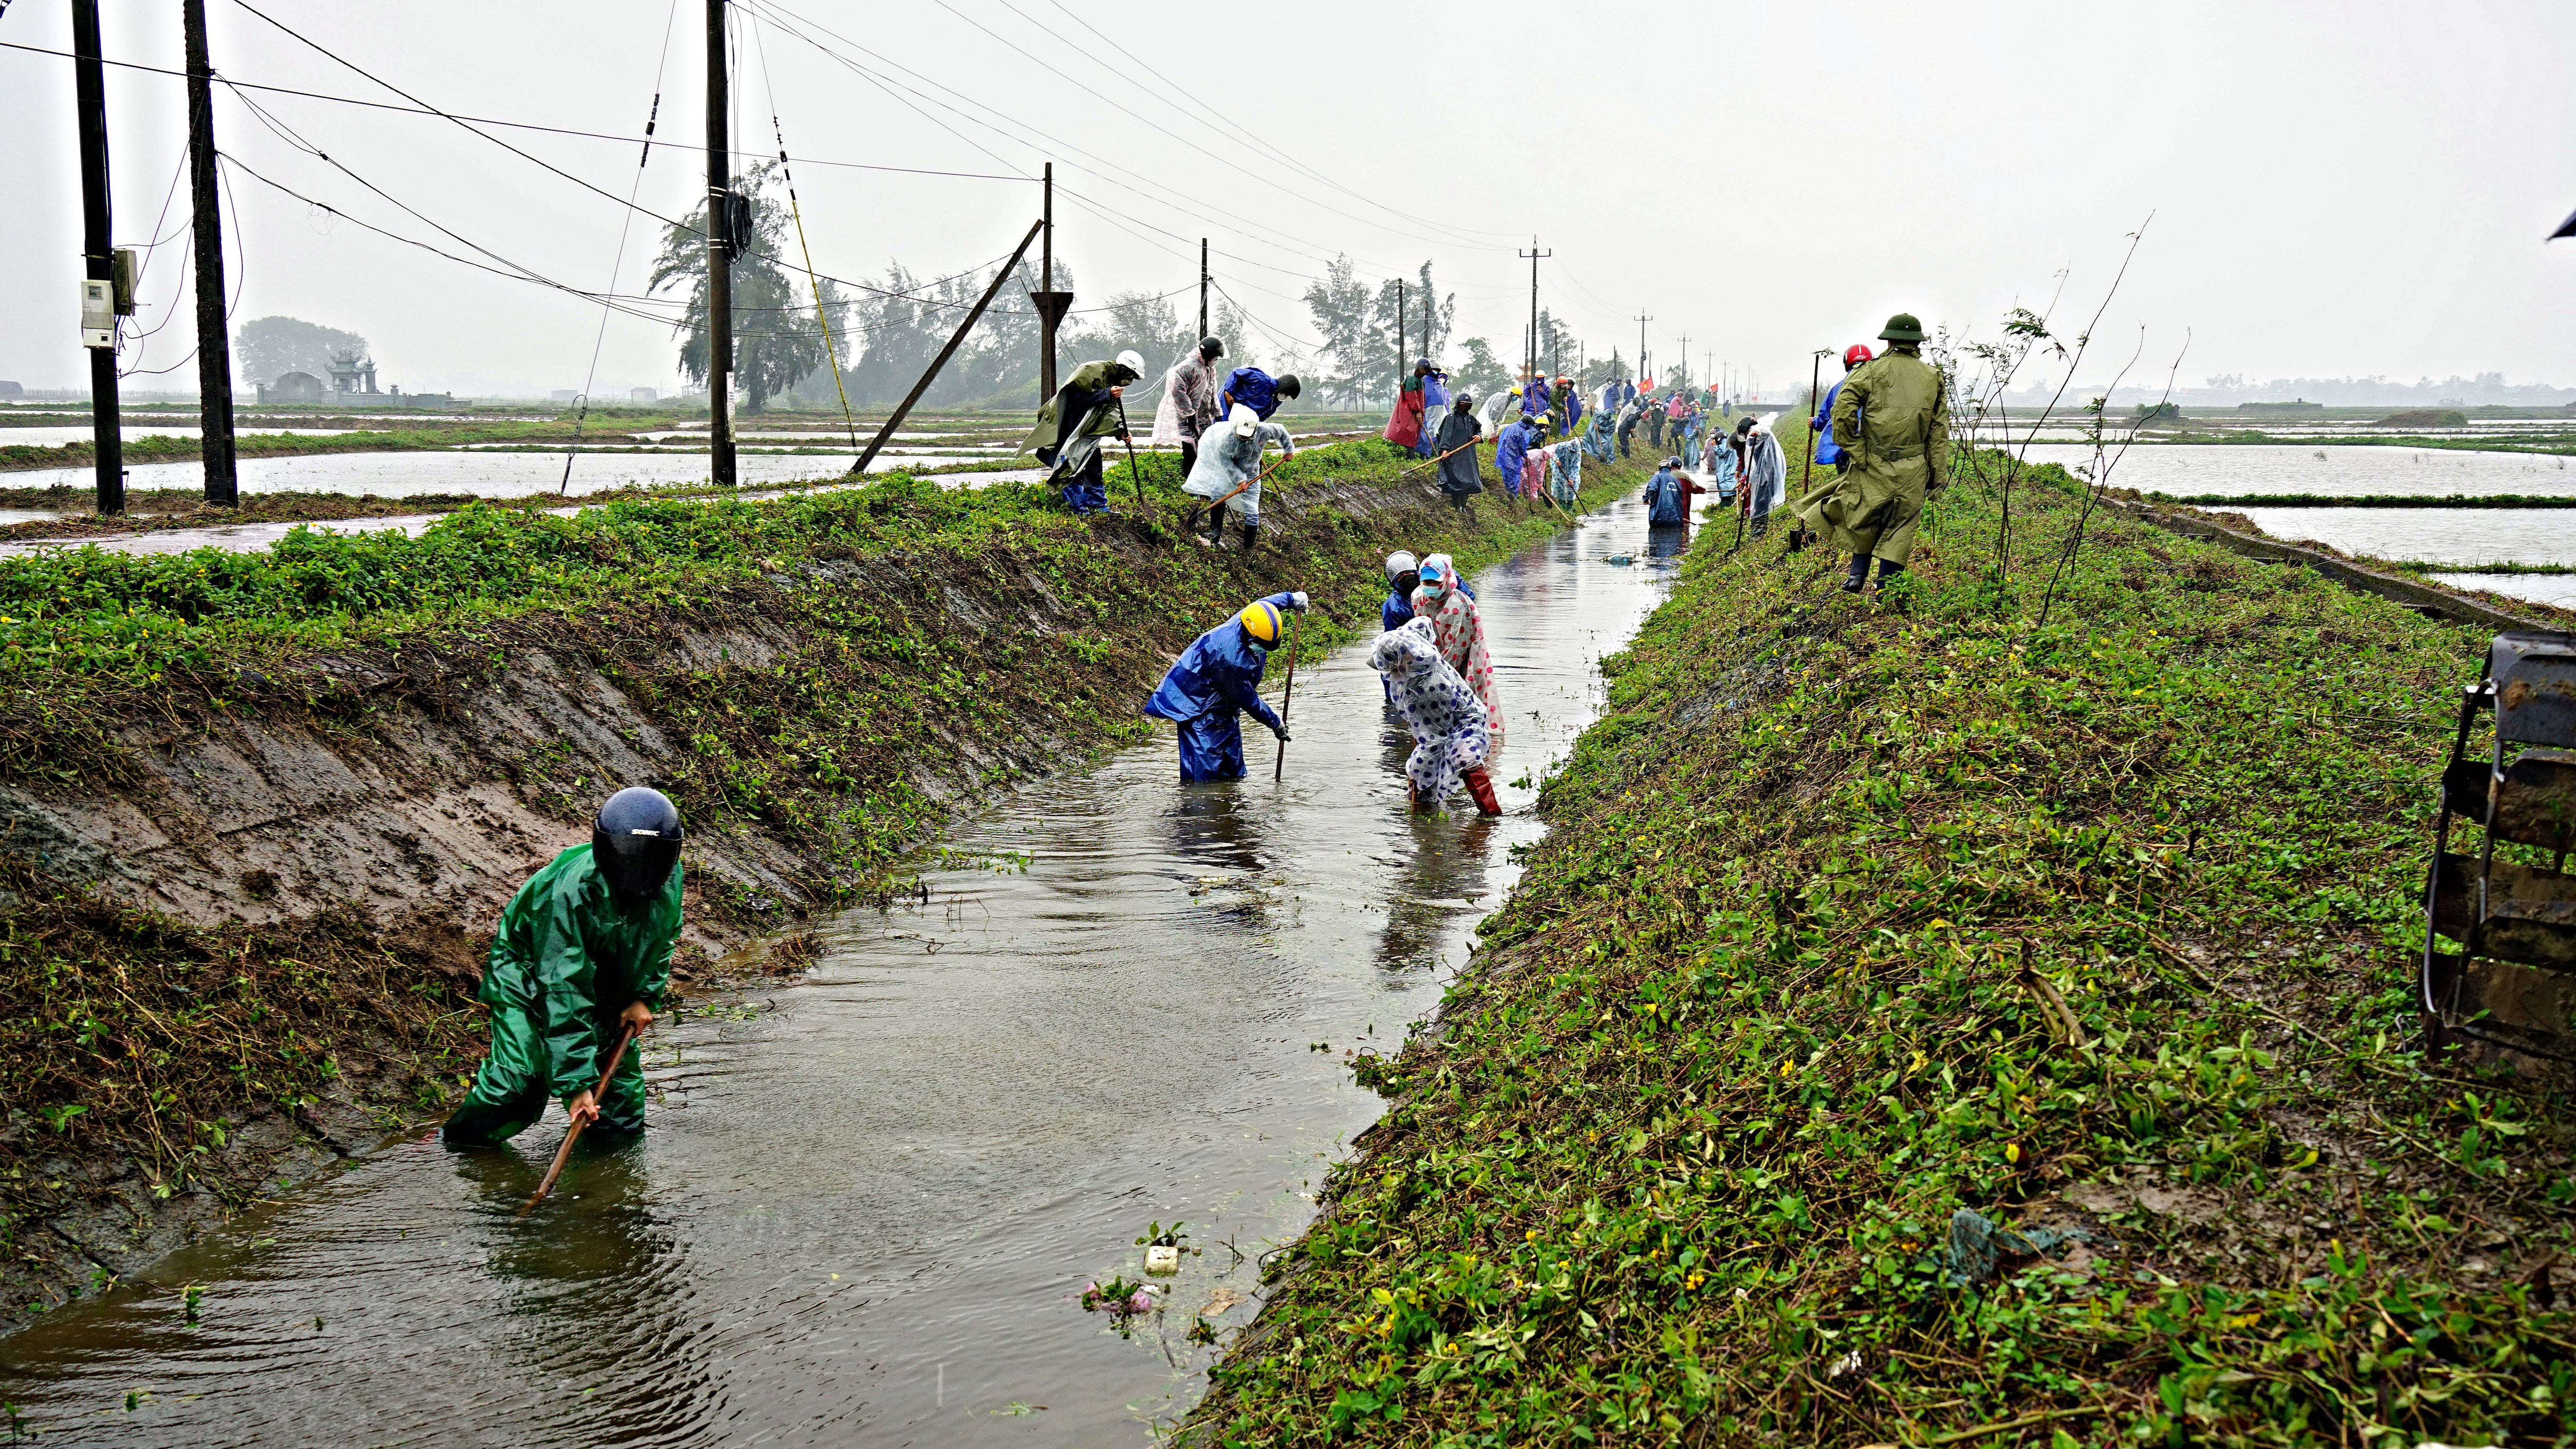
1481	785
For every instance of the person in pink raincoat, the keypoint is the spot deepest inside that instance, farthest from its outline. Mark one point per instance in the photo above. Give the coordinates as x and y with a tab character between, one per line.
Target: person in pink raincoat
1459	630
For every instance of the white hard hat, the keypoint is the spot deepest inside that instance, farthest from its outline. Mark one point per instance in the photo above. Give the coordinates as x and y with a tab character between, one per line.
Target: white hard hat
1244	420
1133	361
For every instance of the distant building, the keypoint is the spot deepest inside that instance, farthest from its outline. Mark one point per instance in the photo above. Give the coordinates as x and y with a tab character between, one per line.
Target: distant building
353	373
294	387
11	389
641	394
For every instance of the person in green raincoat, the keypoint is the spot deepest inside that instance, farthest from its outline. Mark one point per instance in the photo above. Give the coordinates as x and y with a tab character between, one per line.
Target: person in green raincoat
1073	423
584	951
1892	417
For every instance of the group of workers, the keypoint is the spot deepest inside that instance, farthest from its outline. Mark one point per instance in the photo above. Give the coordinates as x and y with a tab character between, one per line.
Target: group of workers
1438	678
1883	427
583	955
1090	409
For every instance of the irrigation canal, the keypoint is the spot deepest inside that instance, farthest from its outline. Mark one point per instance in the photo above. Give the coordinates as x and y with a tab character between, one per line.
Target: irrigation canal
869	1199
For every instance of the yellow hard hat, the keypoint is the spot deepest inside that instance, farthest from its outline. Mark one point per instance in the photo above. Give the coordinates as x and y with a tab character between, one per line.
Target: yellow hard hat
1261	621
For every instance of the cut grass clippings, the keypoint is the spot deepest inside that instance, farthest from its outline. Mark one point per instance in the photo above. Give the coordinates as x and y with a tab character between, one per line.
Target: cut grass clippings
1679	1159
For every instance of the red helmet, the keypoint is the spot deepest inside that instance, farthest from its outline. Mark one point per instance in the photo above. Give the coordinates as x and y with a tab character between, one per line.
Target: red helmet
1855	355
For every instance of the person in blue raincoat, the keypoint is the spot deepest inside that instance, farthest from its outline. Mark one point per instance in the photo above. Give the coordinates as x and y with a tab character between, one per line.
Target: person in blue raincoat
1511	447
1668	494
1252	388
1829	452
1535	397
1215	681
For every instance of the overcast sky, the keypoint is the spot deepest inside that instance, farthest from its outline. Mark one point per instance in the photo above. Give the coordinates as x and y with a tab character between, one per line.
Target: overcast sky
2342	189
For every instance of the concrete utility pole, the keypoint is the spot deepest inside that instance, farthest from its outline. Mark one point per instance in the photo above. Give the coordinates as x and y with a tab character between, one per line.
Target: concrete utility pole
214	344
1534	255
1203	286
720	242
101	298
1685	351
1641	319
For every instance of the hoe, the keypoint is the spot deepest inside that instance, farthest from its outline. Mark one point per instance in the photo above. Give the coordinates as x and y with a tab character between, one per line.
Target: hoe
2506	901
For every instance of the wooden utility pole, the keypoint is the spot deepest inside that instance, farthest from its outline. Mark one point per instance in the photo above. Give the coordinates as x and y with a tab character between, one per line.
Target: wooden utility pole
720	243
1400	368
1534	254
1052	304
1203	287
98	251
214	343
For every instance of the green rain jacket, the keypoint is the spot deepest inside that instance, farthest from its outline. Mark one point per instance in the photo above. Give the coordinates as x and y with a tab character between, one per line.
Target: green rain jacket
571	961
1091	377
1893	418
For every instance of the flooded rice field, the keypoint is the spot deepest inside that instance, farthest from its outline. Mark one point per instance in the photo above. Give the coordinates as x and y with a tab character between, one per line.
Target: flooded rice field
869	1199
2192	468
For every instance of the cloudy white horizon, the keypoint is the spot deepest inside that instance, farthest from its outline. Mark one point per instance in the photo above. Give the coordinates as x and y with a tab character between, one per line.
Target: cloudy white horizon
2348	191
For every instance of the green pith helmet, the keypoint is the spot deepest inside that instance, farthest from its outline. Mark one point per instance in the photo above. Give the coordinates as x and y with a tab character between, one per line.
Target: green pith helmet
1902	328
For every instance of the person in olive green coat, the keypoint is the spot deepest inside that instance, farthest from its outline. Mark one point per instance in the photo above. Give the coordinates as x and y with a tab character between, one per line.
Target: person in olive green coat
1073	424
584	950
1892	418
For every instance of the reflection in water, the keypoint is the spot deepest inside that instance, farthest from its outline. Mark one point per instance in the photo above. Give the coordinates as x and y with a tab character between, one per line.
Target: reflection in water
863	1217
1441	880
1666	542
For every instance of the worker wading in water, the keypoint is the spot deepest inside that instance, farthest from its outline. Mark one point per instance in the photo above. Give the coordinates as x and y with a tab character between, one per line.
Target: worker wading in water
584	949
1451	740
1892	418
1215	681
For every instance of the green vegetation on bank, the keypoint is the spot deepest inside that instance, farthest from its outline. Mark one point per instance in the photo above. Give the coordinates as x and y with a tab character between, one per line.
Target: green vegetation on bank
910	636
1684	1157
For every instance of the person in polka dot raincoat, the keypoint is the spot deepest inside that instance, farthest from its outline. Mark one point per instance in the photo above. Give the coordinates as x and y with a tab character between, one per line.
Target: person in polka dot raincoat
1450	738
1459	631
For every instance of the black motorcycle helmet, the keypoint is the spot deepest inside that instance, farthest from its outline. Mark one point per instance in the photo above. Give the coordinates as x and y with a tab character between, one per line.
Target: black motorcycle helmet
1288	384
1210	349
634	843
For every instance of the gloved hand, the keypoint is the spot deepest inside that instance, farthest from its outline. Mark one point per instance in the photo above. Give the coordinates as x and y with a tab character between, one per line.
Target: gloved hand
1282	732
1298	600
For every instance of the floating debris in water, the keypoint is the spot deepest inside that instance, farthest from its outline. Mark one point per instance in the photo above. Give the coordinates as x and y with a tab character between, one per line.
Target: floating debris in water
1622	560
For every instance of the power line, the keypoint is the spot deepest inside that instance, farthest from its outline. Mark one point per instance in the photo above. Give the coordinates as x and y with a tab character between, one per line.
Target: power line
513	125
504	145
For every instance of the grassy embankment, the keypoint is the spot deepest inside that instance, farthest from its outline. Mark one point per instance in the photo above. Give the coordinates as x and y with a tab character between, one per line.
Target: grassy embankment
1678	1162
130	1038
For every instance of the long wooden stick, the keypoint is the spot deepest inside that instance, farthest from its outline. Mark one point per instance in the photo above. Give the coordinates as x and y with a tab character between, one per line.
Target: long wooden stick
597	1094
1285	694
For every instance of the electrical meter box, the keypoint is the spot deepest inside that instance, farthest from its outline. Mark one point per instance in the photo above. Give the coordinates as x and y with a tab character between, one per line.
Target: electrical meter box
98	312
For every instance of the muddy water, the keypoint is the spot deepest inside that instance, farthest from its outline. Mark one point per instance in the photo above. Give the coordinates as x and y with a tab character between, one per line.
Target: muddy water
868	1200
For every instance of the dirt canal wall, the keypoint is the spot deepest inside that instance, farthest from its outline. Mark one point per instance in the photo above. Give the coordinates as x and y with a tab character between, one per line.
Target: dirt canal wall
1925	1025
260	811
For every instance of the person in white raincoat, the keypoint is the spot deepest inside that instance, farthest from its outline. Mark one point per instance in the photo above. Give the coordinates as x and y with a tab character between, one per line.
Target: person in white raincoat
1188	408
1450	742
1459	630
1766	477
1230	458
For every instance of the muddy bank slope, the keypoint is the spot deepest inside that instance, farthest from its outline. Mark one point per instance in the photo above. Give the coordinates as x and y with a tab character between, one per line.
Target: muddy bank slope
1928	1027
260	810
